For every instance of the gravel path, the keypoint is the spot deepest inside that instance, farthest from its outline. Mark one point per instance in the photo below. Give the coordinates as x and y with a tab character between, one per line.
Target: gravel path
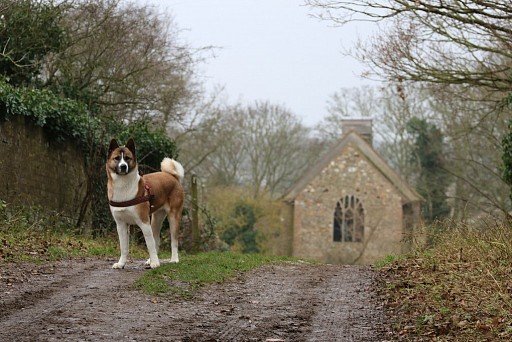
88	301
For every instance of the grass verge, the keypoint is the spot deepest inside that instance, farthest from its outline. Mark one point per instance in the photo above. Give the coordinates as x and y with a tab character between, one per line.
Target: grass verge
30	234
460	289
193	271
38	246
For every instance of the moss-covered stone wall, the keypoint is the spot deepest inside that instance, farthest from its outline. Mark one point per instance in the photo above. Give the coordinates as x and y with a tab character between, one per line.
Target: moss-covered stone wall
36	171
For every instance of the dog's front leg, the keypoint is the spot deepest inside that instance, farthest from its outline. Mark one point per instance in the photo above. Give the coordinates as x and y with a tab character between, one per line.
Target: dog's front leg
124	240
150	243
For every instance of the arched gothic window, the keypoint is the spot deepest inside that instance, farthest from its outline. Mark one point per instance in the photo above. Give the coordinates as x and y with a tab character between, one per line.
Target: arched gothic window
348	220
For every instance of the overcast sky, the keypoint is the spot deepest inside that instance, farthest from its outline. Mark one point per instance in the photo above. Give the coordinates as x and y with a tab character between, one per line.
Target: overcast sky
270	50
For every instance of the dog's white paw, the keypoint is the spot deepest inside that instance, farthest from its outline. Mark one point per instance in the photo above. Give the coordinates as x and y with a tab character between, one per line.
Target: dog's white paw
118	265
168	261
175	260
148	263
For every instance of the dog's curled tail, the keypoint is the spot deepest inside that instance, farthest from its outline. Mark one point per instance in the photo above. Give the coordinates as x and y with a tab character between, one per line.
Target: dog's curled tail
173	167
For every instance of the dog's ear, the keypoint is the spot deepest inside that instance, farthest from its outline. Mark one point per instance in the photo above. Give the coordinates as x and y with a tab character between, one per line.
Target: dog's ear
131	146
113	145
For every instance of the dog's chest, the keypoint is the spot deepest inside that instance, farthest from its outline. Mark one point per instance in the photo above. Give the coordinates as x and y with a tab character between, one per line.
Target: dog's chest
128	215
125	188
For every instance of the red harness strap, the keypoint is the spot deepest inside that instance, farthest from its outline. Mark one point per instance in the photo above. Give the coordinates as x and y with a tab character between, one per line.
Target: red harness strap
137	200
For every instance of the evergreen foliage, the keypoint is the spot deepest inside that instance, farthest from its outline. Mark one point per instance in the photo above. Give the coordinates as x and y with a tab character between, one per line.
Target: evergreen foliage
62	118
152	143
507	157
242	231
29	31
433	181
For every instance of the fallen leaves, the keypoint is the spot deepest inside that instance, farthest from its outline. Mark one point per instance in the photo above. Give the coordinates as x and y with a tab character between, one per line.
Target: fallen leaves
459	290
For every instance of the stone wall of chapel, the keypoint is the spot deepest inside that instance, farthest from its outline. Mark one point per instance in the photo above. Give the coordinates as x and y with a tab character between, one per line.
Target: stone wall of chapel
349	174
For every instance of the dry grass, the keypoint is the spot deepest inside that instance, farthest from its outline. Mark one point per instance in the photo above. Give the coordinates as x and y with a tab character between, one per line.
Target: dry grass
32	234
460	289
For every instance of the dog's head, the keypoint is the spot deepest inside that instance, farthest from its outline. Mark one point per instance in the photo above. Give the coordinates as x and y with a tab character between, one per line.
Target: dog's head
121	159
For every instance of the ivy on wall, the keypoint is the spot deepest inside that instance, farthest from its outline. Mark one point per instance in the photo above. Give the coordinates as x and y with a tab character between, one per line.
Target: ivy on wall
70	121
62	118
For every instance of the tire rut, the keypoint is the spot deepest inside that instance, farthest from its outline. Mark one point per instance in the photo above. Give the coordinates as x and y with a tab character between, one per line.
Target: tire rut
272	302
349	311
32	312
28	291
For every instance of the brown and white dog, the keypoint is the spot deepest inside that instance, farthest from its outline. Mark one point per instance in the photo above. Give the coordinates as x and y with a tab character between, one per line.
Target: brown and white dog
158	195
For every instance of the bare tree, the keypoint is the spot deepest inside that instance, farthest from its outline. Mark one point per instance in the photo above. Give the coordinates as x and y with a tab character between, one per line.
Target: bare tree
275	146
226	166
212	144
263	146
348	103
125	60
448	42
402	102
197	135
475	130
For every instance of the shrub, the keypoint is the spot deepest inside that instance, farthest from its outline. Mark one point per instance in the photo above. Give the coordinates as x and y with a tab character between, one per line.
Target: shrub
246	223
241	231
152	144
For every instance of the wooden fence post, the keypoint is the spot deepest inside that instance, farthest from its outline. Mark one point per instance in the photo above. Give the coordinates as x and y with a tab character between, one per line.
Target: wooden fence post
195	214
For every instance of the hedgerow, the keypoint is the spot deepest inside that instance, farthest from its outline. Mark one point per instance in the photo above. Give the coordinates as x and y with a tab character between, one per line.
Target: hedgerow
62	118
68	120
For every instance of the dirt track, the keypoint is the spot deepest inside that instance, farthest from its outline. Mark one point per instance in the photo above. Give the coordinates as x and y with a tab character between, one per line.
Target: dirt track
88	301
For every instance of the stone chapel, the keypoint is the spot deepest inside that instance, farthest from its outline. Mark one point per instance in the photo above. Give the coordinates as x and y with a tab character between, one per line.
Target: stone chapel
351	207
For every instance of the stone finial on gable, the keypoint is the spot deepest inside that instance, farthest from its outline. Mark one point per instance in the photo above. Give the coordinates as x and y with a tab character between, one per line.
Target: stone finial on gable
362	126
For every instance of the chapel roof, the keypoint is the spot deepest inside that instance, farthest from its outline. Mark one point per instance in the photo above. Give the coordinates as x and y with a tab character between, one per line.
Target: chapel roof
354	138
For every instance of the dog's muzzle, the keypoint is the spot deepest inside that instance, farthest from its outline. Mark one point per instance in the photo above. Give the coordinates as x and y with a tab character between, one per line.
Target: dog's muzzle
122	169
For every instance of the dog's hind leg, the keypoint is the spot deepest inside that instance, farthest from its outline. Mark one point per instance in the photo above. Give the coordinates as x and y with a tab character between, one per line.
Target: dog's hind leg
124	241
174	225
156	224
150	243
